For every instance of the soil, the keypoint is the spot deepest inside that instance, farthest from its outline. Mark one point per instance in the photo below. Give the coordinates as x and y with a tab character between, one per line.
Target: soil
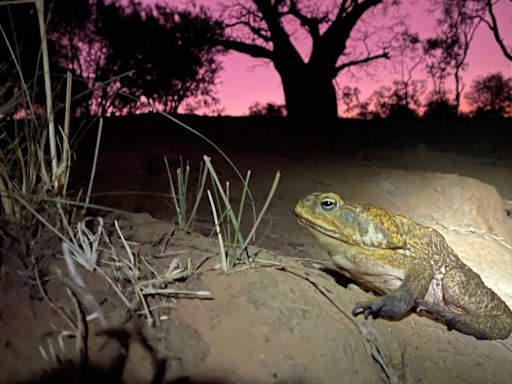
283	320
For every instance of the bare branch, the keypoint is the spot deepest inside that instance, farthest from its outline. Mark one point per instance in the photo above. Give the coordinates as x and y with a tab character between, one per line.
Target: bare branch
248	49
493	25
312	24
336	35
367	59
261	33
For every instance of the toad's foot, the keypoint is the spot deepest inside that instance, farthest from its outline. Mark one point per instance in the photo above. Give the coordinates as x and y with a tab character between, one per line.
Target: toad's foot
390	306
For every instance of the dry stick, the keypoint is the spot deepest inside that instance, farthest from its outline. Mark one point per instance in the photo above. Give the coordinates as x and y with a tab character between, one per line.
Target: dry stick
66	225
151	269
262	212
170	291
242	200
48	90
173	191
66	158
126	246
116	288
231	244
93	170
199	193
183	186
14	2
219	234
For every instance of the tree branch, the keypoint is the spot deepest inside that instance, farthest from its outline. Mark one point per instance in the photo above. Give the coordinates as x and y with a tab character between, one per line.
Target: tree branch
494	28
253	50
336	35
256	31
280	39
367	59
312	24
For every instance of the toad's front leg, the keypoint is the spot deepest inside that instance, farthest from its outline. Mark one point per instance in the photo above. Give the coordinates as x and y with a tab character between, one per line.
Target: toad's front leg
398	302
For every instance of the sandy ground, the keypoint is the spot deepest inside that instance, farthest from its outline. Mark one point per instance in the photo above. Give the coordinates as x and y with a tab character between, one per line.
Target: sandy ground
289	324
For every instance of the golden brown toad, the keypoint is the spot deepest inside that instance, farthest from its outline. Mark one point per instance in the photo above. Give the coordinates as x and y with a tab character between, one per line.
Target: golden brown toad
409	264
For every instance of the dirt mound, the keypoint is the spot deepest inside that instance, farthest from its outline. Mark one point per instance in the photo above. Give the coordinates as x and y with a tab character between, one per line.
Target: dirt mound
275	322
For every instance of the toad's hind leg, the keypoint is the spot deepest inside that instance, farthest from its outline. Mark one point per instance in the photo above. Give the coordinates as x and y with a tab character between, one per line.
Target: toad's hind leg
470	307
469	324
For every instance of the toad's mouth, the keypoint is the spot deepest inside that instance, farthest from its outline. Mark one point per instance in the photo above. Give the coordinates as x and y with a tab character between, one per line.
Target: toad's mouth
315	227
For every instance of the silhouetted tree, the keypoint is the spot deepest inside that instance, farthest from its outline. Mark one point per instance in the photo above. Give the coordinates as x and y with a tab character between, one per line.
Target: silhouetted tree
73	32
267	109
437	67
457	22
69	34
491	95
264	29
438	108
408	57
401	101
350	97
477	11
170	52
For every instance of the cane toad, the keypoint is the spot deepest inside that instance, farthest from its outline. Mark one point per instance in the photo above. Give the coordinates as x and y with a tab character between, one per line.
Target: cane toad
410	265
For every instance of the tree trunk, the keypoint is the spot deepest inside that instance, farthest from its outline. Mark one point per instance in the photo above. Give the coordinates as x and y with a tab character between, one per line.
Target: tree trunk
458	90
309	93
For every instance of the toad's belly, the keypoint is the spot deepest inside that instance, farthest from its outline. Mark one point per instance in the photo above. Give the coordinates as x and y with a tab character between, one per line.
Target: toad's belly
369	269
381	283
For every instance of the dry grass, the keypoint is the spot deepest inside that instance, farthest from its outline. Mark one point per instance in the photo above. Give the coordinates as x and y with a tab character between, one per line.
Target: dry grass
181	196
232	242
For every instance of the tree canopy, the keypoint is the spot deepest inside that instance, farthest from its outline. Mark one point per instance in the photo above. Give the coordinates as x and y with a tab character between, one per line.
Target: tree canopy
124	55
491	95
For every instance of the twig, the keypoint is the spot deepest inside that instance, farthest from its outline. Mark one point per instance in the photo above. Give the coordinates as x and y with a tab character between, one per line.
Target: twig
219	234
93	170
199	193
173	193
170	291
263	210
116	289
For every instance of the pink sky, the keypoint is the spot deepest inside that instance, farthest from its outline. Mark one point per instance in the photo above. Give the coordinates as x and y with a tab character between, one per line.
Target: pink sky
245	80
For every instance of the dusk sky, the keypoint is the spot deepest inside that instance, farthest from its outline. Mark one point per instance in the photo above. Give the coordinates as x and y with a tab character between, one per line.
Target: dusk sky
245	80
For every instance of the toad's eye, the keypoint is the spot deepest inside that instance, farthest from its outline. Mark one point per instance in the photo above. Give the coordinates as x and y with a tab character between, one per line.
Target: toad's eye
328	204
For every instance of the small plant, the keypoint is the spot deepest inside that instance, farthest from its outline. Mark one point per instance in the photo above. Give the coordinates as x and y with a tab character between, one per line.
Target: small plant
35	157
180	193
233	244
134	280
